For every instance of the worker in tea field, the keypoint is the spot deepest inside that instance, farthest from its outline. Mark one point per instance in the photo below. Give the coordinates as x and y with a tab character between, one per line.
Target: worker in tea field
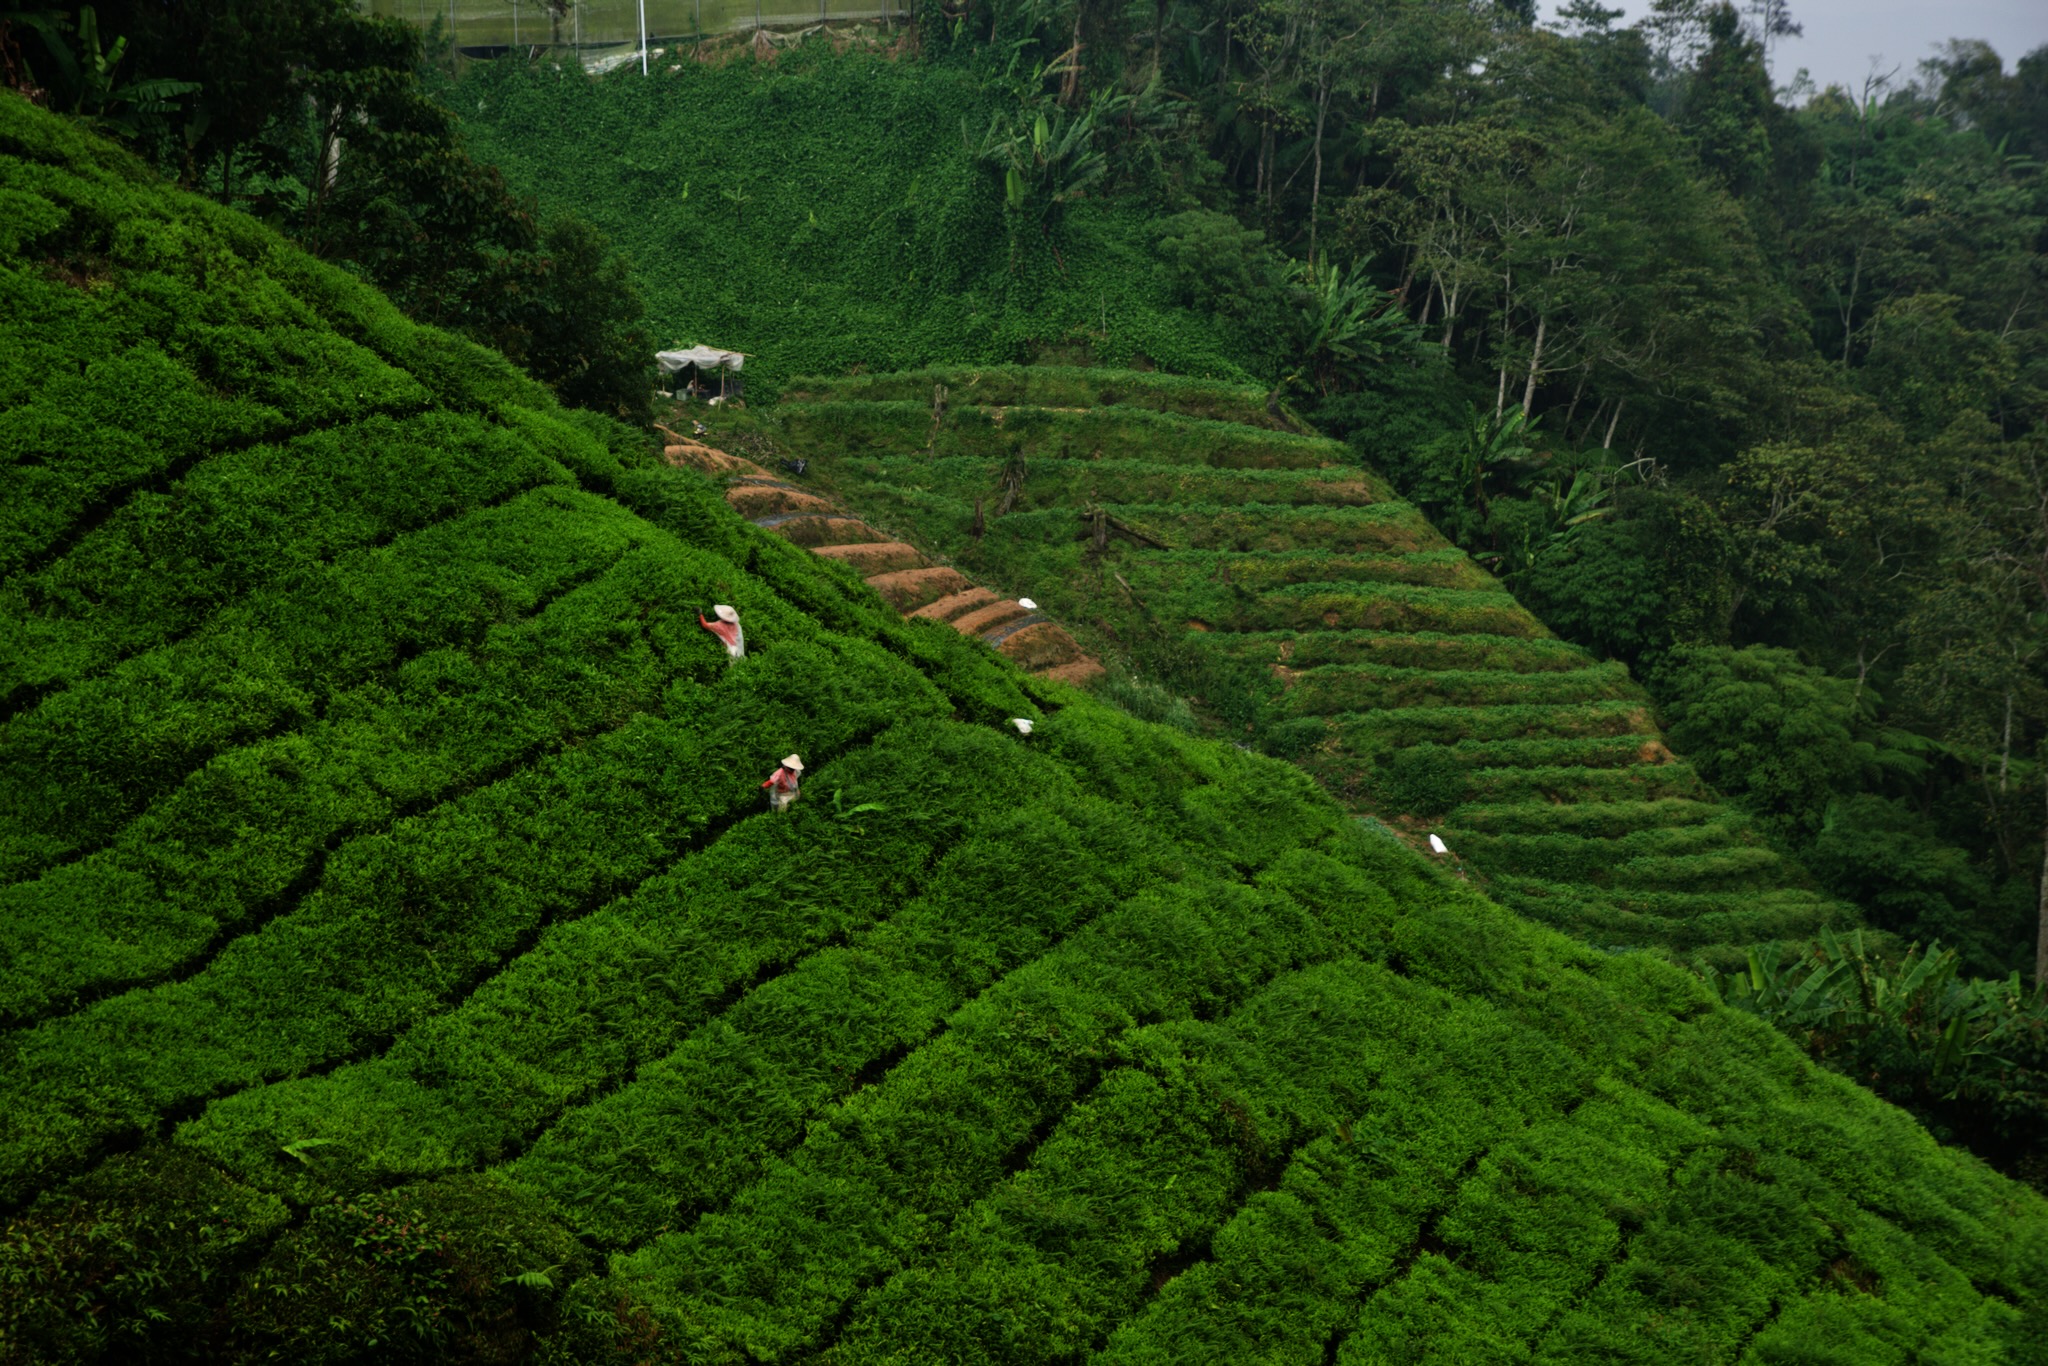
784	783
727	629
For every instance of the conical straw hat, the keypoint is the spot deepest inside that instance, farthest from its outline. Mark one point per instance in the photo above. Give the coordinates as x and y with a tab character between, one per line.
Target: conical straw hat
793	762
724	613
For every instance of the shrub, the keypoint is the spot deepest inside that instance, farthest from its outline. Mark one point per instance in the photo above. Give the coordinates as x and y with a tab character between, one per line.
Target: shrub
1052	386
994	1044
1421	780
1766	729
1147	701
1892	861
1968	1057
458	1270
130	1263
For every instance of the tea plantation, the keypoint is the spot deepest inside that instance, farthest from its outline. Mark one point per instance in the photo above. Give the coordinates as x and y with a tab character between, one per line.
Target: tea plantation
1204	539
398	963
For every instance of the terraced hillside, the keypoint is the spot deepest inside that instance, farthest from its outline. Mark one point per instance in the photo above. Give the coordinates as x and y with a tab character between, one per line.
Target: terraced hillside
399	964
1179	523
901	573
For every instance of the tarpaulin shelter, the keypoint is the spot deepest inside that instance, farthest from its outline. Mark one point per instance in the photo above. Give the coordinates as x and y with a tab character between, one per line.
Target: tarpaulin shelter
704	359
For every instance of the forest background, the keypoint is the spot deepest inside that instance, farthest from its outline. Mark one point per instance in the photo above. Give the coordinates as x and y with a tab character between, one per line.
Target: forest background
1743	386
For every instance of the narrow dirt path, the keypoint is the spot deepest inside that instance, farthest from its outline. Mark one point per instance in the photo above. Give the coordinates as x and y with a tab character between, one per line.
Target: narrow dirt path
900	573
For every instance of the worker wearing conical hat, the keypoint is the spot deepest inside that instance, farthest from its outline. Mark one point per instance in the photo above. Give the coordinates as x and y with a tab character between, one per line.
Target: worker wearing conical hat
727	629
783	783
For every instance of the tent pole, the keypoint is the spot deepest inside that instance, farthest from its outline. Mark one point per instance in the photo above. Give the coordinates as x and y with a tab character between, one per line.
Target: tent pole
643	37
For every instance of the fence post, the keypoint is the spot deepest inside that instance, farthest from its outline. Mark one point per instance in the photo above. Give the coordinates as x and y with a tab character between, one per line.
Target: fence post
643	37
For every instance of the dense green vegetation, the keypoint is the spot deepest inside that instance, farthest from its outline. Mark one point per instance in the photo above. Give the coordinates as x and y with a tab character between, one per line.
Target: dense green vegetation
825	215
1701	374
318	118
1308	610
1739	386
1743	394
437	989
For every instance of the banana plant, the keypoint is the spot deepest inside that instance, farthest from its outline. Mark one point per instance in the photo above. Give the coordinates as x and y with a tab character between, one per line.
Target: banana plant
1569	506
1346	326
1495	445
1048	154
83	81
1916	1016
1050	160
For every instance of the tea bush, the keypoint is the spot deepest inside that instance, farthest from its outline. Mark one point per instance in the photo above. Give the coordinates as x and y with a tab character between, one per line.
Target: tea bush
1298	609
1425	779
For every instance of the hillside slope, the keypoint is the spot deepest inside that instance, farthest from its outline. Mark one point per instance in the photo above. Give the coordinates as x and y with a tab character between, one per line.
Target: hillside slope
1179	524
827	211
903	575
399	964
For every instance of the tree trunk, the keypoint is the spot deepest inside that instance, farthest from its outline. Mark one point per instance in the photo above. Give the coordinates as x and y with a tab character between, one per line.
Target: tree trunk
1072	85
2005	751
1408	259
1593	422
1535	367
2041	938
1578	393
1612	423
1315	194
1849	310
1507	334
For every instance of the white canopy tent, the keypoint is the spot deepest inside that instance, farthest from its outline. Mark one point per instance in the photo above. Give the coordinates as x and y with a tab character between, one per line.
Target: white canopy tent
705	359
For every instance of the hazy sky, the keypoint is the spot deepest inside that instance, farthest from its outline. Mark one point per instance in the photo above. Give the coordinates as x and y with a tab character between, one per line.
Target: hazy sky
1842	36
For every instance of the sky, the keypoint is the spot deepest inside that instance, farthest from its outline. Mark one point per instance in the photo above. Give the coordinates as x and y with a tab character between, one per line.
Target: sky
1843	36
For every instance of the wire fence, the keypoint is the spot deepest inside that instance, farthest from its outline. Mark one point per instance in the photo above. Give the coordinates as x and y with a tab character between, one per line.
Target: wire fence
602	31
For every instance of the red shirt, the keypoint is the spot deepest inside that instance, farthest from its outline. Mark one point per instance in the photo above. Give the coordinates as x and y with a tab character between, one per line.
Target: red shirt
727	632
782	779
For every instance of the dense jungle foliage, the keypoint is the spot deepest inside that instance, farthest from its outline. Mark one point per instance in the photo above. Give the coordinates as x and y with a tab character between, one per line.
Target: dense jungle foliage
399	964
